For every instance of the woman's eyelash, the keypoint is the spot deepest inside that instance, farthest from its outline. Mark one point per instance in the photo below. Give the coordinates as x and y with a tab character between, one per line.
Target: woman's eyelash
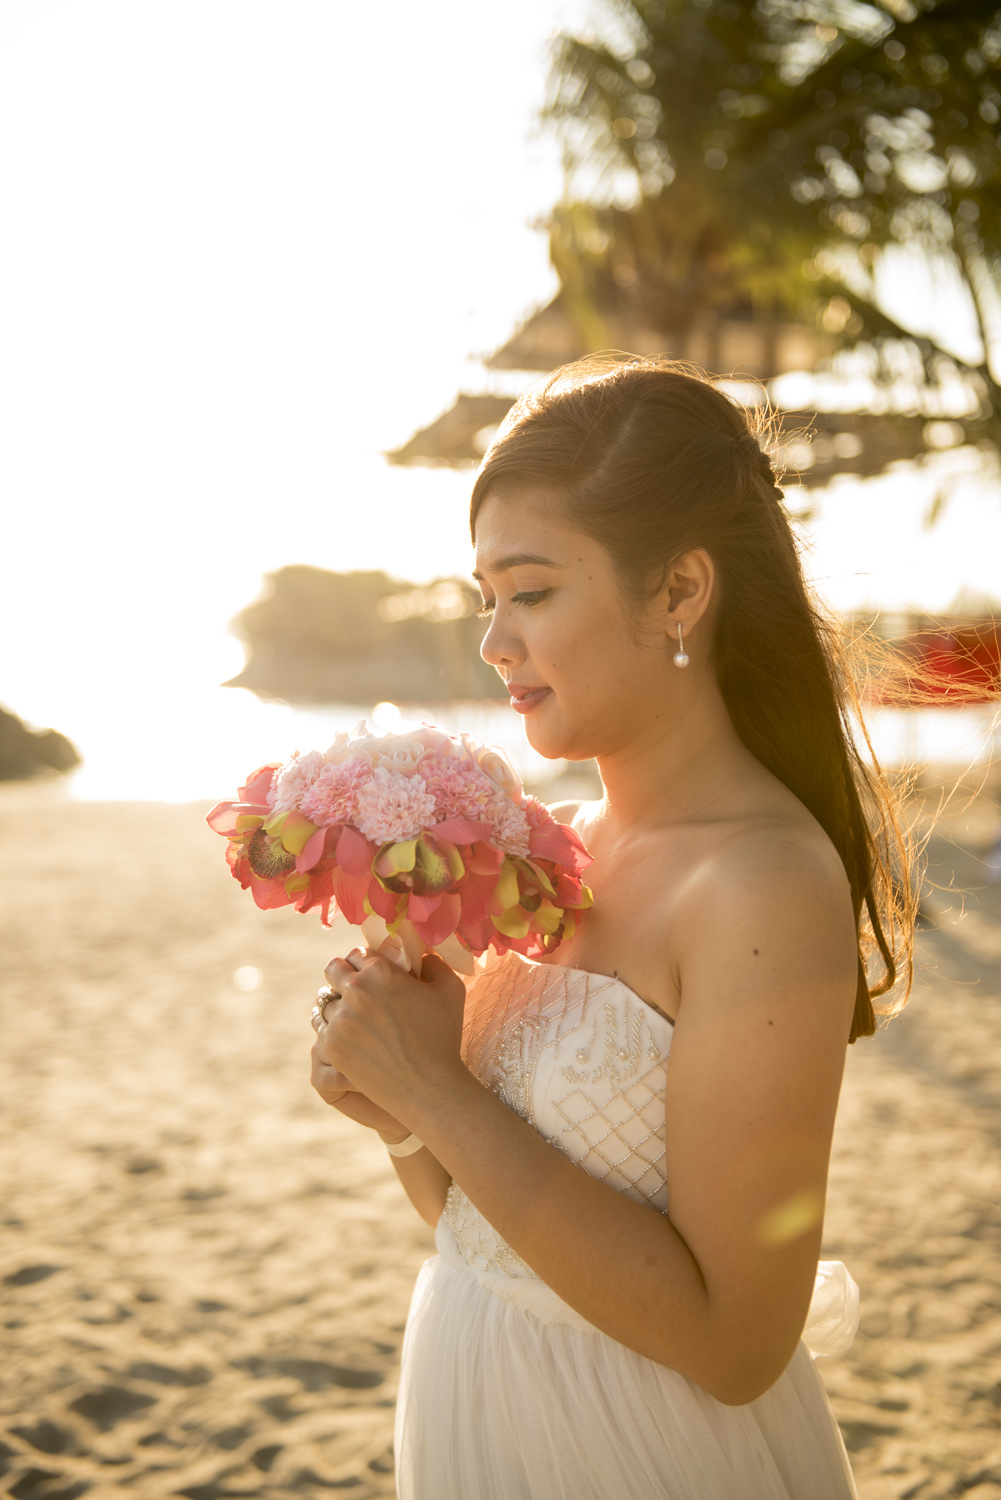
524	596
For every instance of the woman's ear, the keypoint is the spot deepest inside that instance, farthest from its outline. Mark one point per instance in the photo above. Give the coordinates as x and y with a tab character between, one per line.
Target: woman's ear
688	589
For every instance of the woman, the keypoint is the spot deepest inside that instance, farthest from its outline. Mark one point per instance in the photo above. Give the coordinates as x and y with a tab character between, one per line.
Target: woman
632	1330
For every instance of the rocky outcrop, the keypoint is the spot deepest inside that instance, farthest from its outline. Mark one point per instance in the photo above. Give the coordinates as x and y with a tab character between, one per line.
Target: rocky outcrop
319	637
25	752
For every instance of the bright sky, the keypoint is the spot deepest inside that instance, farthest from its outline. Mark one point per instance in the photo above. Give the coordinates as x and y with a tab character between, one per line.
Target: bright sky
247	247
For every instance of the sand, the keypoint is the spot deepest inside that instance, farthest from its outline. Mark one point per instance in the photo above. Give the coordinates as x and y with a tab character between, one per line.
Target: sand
206	1271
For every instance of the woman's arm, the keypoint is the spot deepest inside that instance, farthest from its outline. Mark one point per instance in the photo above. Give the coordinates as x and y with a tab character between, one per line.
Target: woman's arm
425	1182
719	1291
424	1179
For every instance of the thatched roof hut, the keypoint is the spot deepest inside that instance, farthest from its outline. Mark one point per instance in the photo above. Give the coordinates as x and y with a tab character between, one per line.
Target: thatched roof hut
753	350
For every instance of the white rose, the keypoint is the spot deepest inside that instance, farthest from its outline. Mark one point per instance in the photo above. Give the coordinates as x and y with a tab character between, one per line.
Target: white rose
495	764
390	752
435	739
339	751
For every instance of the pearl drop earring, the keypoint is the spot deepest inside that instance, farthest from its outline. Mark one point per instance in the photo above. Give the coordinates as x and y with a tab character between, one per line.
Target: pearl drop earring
681	655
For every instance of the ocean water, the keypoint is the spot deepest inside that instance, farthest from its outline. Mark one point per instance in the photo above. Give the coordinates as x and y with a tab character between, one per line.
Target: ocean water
202	746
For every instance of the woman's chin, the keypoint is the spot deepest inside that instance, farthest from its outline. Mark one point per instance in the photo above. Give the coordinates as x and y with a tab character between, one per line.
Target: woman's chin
554	741
544	742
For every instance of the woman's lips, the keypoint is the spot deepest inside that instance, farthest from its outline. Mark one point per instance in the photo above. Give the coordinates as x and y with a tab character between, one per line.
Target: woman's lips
525	699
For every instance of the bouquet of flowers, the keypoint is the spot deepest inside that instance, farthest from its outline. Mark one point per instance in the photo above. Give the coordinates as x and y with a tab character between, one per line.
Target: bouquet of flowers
419	836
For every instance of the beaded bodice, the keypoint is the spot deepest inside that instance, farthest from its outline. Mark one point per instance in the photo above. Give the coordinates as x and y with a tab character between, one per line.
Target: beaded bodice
584	1061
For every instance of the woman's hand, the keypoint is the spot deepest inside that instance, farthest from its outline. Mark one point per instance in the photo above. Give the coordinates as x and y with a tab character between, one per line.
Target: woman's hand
334	1089
396	1038
378	1017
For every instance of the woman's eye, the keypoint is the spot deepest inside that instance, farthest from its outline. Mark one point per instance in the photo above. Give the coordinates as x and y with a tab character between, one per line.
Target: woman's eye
523	596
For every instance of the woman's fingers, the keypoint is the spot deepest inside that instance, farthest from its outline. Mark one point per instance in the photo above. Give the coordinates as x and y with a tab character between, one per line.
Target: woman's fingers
435	970
329	1083
360	961
344	968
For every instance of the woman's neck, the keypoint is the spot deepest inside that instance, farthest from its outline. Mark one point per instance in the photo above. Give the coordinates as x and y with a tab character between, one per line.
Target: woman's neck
678	768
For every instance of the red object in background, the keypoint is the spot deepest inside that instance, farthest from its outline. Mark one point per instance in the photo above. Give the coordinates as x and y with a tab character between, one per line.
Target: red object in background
959	665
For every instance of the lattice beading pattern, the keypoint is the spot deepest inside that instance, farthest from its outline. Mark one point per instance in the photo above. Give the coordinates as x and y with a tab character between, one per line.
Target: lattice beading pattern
622	1136
480	1246
532	1029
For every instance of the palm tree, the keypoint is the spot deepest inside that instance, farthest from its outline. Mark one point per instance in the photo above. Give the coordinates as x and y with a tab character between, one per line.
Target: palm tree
768	155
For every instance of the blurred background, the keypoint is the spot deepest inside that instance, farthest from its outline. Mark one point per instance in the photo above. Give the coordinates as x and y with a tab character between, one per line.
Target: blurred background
269	281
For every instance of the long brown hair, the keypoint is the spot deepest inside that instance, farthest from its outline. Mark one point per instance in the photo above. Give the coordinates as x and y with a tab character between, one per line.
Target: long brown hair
651	459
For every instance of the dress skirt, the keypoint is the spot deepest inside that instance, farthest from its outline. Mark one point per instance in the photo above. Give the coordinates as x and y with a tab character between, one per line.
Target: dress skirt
497	1404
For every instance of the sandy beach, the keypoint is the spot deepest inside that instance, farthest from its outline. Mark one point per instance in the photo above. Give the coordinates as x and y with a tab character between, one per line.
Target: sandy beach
206	1271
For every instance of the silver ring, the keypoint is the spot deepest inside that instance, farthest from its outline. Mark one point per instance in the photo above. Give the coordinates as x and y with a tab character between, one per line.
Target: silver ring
323	997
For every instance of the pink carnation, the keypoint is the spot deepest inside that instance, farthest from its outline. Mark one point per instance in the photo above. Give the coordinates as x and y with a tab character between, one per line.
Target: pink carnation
393	807
333	796
459	788
511	827
294	780
537	813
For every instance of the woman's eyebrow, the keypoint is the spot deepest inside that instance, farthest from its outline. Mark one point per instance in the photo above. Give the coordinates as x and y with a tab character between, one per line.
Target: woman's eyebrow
517	560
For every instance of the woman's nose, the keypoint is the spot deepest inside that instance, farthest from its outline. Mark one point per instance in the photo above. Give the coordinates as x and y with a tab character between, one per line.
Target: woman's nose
500	647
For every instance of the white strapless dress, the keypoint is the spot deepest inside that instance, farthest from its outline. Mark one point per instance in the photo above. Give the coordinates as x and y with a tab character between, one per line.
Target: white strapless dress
508	1394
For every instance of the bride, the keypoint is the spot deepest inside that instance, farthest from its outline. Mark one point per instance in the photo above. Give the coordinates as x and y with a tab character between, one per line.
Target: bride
624	1149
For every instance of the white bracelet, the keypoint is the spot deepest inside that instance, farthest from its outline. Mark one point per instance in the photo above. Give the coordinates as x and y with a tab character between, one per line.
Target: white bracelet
404	1148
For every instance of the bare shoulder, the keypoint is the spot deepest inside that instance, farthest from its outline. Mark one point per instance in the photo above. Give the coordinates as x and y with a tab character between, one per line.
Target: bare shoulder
765	859
771	897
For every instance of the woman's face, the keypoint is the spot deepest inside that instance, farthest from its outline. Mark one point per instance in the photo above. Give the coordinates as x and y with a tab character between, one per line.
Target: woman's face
589	673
